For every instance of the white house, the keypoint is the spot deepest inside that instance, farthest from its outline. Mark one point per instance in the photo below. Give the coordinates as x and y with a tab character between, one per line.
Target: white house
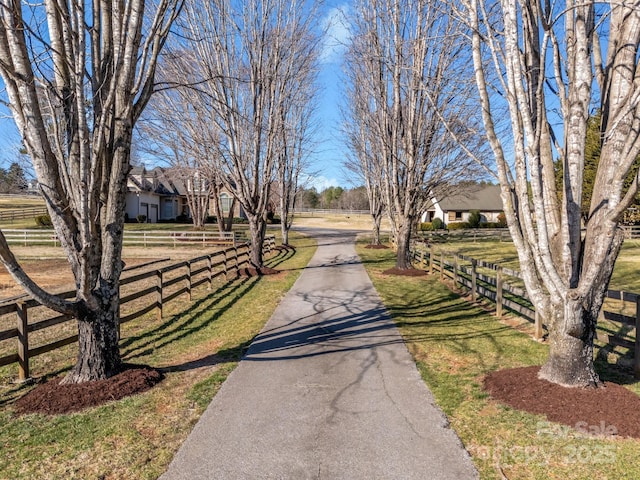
457	207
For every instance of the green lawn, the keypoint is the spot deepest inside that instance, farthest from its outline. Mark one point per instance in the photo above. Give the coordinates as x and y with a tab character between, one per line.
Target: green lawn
198	343
455	344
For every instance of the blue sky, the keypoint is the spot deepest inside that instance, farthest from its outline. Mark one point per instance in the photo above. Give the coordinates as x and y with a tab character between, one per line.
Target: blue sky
326	161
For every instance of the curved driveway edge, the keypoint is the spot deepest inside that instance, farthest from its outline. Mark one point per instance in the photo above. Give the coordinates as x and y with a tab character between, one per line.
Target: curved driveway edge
327	390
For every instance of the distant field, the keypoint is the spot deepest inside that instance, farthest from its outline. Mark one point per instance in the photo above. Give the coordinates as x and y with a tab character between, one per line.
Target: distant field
356	221
12	202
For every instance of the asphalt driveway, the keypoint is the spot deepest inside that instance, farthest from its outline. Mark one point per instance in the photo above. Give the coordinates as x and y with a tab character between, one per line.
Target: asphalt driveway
327	390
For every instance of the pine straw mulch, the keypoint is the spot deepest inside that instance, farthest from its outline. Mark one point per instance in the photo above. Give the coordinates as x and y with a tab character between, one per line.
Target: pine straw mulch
51	398
377	247
608	410
409	272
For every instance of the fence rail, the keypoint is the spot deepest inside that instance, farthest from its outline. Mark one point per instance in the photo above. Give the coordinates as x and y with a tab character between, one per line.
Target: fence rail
159	286
631	231
469	234
499	285
26	237
21	213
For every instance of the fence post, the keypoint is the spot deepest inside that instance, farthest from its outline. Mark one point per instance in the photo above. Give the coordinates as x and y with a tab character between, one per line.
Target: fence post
159	294
636	353
189	280
23	341
431	260
441	266
474	279
499	292
537	334
455	270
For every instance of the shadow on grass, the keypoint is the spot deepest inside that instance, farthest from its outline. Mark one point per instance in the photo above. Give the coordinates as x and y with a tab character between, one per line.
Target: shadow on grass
188	322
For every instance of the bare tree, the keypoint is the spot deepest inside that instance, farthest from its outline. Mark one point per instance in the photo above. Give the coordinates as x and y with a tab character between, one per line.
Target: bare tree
77	77
296	137
166	134
250	56
365	146
544	58
407	58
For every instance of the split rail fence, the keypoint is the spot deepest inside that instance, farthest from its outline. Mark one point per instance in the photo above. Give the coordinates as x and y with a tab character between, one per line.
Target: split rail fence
26	237
156	288
619	321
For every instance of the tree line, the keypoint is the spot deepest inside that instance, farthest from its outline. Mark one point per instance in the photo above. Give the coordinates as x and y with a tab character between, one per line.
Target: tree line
334	198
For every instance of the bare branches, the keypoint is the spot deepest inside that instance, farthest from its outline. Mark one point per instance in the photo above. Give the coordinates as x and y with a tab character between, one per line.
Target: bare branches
550	58
406	66
77	75
253	63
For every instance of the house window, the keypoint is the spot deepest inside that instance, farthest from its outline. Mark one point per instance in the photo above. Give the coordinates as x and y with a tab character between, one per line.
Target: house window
225	203
455	216
196	184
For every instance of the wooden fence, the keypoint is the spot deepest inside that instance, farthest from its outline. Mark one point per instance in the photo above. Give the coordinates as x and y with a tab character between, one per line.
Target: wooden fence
466	234
503	287
21	213
26	237
159	286
631	232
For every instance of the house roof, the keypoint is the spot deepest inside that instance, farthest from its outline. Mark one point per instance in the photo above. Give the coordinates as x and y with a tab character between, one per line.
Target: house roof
476	197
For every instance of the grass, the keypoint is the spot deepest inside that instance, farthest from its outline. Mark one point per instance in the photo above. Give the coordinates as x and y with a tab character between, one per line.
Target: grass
197	344
455	344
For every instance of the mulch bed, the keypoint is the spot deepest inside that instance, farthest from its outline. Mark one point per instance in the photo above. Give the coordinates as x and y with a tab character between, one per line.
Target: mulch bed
608	410
256	272
50	398
409	272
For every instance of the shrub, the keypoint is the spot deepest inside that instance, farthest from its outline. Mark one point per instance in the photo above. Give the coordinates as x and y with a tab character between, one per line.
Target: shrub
426	227
458	225
182	219
474	218
502	220
44	221
141	218
437	224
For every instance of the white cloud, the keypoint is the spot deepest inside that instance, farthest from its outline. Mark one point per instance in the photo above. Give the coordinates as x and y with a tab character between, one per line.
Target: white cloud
337	33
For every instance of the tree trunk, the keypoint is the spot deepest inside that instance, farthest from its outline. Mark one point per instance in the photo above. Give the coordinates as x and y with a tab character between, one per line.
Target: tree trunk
257	230
403	237
98	349
570	360
228	224
285	234
376	220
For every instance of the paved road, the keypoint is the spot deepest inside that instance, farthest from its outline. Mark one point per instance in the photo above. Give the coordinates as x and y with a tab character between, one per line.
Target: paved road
327	390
